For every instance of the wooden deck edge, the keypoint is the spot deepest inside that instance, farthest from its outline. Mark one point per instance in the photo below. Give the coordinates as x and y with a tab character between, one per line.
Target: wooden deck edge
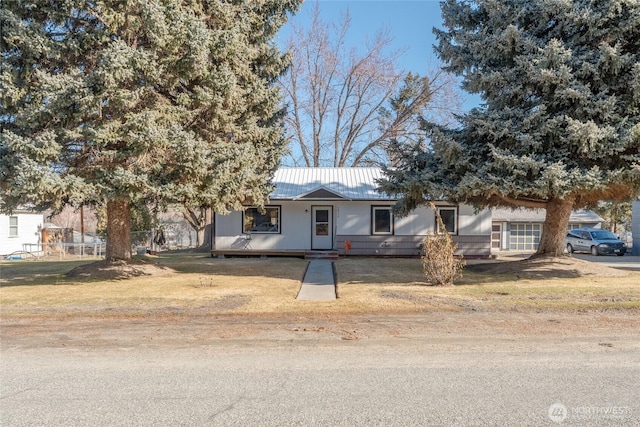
306	254
257	253
333	255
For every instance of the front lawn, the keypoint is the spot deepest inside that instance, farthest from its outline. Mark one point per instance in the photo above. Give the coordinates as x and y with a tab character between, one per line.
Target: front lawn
197	285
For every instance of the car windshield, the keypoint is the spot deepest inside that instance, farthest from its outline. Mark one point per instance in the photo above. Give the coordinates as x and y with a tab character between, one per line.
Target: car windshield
603	235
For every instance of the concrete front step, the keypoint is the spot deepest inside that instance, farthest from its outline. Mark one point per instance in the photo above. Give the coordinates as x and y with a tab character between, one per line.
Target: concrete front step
328	255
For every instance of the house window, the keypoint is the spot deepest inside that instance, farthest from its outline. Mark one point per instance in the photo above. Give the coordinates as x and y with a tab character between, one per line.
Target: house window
381	220
13	226
525	237
449	217
254	221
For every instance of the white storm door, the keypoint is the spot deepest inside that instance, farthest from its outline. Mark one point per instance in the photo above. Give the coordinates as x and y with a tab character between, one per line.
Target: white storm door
321	227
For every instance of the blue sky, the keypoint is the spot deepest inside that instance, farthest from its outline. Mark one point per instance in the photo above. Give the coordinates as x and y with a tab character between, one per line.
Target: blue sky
410	23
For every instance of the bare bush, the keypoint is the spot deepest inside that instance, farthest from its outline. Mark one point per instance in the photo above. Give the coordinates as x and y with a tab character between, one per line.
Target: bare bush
439	263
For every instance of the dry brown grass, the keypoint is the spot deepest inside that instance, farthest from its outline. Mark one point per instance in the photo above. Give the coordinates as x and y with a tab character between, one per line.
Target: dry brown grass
200	285
401	284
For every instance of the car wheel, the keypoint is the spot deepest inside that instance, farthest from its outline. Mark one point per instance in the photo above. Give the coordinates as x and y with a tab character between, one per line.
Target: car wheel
620	254
594	250
569	248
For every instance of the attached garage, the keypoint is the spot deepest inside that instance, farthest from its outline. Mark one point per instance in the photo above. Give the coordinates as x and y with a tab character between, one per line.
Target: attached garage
521	229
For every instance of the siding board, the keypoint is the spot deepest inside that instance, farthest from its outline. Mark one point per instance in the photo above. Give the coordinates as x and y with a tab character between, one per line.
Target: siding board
471	246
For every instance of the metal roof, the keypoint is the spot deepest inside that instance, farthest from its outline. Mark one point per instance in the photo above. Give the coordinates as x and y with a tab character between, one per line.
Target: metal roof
346	183
537	215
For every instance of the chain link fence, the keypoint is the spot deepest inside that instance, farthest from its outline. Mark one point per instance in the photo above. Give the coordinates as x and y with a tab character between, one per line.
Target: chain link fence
168	236
60	250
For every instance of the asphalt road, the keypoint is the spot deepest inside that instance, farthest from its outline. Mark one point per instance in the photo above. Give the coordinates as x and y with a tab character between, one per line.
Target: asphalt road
403	382
627	262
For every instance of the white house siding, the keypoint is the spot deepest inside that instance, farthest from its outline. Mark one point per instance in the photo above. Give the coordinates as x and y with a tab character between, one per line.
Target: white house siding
352	192
354	218
473	237
355	227
29	225
474	232
295	229
352	223
417	223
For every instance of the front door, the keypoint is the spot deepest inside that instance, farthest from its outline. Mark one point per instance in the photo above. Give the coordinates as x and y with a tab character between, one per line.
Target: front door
496	236
322	227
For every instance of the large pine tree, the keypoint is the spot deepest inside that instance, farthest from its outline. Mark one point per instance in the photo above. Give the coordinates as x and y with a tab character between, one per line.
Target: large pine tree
559	126
129	102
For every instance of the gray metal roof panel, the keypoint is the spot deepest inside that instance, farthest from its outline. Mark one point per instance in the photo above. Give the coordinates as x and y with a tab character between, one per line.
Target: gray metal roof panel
352	183
537	215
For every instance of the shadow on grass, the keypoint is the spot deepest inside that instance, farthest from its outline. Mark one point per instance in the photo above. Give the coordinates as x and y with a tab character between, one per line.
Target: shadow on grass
350	271
399	271
525	269
272	267
32	273
471	277
409	271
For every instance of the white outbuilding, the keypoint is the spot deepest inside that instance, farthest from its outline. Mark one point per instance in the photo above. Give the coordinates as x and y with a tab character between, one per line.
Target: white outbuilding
20	231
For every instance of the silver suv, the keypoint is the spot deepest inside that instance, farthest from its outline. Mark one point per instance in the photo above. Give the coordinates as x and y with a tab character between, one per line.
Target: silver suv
594	240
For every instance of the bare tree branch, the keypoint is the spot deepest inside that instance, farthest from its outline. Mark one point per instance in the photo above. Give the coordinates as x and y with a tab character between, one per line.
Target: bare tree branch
347	102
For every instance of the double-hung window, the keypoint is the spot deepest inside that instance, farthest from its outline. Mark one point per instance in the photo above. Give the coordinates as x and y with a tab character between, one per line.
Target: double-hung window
449	217
13	226
268	221
381	220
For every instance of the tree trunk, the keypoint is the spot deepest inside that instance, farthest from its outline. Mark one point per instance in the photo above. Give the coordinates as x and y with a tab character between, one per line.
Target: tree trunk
205	239
556	222
205	226
118	230
200	220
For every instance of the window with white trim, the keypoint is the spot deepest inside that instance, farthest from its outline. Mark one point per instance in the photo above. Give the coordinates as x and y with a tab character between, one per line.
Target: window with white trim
268	221
381	220
449	217
13	226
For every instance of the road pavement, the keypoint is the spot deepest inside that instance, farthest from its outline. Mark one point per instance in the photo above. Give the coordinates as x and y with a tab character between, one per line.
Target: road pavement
627	262
523	381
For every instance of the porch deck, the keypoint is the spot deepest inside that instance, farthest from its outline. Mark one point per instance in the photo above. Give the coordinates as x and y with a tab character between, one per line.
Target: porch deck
290	253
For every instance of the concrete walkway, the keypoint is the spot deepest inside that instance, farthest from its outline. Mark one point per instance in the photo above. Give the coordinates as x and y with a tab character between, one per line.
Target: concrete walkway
318	283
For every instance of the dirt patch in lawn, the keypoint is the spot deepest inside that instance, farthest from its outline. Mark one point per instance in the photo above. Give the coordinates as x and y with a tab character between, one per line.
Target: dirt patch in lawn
547	268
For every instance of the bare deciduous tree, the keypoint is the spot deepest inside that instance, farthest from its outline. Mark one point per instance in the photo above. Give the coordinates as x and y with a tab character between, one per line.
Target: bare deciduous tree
345	104
69	217
200	219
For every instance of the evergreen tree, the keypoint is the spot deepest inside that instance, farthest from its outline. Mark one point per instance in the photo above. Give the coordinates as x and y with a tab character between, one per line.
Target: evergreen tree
139	102
559	126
